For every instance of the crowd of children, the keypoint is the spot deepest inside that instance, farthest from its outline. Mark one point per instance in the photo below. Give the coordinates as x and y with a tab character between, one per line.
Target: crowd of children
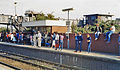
55	40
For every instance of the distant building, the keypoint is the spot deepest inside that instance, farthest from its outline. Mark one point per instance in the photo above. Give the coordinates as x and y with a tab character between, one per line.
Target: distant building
31	15
117	21
97	18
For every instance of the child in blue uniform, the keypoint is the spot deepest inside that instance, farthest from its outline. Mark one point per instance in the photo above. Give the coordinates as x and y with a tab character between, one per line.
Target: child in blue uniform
80	39
119	43
76	42
89	42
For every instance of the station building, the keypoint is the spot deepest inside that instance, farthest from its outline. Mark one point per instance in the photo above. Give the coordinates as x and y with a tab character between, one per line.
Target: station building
47	25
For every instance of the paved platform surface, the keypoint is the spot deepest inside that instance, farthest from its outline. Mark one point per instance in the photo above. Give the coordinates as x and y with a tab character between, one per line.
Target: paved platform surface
2	67
94	54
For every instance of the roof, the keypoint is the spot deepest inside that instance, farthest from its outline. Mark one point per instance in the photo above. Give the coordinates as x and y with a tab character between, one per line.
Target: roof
5	15
99	15
44	23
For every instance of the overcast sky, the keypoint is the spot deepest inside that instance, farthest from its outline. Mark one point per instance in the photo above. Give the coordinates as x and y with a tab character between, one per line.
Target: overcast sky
81	7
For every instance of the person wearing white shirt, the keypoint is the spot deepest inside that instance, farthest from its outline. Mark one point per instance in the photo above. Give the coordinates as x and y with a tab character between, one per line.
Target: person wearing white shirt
34	39
108	34
39	39
11	36
56	40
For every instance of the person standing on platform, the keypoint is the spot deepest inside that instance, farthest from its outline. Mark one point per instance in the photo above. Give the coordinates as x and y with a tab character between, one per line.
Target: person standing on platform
46	37
89	42
53	40
39	39
14	38
17	35
108	34
61	42
80	39
119	43
0	36
11	37
56	41
35	39
7	36
76	42
98	30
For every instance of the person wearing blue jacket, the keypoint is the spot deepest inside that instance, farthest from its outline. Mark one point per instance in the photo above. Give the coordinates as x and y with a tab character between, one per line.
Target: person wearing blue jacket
89	42
119	43
80	39
76	42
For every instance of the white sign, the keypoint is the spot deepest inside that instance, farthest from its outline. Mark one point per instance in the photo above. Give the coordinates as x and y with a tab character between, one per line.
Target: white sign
4	19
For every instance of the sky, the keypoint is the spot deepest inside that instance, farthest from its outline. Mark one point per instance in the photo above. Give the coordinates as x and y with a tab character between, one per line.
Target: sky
81	7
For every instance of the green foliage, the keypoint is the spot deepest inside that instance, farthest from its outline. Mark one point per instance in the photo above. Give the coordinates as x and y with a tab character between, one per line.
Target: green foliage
4	29
43	17
74	28
91	28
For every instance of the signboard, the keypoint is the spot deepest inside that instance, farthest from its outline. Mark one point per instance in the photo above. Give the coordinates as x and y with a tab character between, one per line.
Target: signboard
4	19
68	23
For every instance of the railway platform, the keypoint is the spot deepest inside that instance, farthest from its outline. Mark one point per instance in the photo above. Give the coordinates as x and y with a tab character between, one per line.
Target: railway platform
91	61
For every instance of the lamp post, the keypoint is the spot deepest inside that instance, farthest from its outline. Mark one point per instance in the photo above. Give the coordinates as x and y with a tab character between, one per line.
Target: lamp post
10	22
68	23
15	8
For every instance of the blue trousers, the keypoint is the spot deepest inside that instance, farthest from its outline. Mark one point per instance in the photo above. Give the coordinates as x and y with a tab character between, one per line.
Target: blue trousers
119	50
97	34
76	45
61	45
108	34
80	44
89	47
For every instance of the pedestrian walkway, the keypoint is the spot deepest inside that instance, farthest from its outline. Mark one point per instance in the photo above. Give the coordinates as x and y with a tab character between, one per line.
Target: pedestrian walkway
71	51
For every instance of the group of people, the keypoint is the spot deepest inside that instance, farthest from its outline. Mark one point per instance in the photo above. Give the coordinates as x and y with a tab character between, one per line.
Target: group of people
55	40
98	31
12	37
78	42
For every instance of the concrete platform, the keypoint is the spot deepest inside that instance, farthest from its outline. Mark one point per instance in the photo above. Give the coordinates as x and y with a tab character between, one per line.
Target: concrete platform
2	67
91	61
70	51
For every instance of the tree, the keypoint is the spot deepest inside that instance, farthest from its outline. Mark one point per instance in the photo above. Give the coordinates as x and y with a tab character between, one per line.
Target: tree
40	17
50	16
74	28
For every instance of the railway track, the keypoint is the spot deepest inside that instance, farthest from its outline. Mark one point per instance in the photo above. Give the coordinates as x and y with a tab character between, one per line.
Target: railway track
46	65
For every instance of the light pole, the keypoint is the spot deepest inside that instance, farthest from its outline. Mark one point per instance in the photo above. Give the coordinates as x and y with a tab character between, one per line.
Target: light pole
10	22
15	8
68	23
15	18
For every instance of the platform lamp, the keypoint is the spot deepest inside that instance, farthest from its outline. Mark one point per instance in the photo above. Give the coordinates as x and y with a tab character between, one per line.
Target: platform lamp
68	23
15	3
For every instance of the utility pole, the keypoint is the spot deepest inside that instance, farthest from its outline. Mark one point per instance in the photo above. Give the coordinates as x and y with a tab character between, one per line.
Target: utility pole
15	8
68	23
